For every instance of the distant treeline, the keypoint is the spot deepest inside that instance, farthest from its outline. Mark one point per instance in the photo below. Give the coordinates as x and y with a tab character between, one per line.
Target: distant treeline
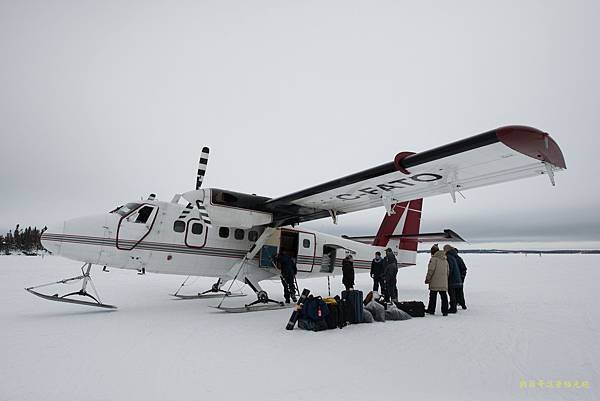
528	251
18	240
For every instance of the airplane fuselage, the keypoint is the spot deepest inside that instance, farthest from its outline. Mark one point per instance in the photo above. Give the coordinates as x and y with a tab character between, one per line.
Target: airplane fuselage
152	235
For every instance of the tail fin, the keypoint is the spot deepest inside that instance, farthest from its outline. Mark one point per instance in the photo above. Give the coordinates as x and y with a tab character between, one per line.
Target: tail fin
405	221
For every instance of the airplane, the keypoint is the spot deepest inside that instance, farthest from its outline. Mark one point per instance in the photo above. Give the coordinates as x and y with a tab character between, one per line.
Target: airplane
235	236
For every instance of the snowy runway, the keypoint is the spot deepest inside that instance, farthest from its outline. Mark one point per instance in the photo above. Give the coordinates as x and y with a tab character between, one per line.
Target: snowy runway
529	318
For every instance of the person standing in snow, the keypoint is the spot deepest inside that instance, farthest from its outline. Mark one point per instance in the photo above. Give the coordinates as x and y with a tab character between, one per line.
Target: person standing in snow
390	271
454	281
348	273
437	278
288	274
460	294
377	272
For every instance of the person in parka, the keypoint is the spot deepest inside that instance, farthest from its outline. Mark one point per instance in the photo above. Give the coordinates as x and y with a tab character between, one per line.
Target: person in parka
463	274
288	273
348	273
437	278
377	272
454	281
390	271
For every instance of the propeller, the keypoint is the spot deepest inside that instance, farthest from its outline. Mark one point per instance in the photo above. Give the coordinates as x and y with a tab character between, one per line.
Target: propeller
202	167
193	197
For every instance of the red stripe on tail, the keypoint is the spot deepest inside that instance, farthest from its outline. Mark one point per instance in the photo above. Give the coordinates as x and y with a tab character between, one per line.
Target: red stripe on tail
412	223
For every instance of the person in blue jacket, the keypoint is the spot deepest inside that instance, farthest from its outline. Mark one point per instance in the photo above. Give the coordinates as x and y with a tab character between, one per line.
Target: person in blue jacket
460	293
454	280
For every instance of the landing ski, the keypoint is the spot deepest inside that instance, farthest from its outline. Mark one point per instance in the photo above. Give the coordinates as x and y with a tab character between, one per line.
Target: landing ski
208	296
254	308
298	308
70	301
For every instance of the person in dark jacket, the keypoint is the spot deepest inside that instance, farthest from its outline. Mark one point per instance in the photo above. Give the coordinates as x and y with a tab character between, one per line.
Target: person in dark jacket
390	271
288	274
348	273
377	272
454	281
460	294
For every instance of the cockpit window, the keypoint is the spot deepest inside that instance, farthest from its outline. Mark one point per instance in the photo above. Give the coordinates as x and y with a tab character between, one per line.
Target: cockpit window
143	214
125	209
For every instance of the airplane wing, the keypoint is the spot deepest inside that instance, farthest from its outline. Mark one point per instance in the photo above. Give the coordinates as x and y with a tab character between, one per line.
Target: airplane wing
501	155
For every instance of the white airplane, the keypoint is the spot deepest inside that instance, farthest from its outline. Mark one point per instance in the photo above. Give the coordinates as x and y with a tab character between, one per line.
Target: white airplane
234	236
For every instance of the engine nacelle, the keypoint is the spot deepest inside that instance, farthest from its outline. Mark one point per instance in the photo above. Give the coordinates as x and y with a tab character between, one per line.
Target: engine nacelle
231	209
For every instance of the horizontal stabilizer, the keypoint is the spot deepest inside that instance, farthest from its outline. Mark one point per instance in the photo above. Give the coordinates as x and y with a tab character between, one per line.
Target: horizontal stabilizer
445	236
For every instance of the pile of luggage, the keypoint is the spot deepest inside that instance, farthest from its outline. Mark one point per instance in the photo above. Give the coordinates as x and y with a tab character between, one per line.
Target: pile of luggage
316	313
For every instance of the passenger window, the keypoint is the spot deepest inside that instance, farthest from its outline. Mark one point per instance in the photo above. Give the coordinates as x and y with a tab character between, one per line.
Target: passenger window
179	226
224	232
252	236
306	243
238	234
143	214
197	228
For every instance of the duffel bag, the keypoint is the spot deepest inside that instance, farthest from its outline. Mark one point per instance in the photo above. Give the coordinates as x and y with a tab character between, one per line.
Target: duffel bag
313	325
413	308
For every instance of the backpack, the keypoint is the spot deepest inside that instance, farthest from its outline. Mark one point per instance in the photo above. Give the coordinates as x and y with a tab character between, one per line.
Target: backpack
314	308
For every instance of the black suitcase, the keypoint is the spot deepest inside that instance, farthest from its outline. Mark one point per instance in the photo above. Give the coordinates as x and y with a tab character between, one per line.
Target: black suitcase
413	308
355	299
346	311
333	317
341	304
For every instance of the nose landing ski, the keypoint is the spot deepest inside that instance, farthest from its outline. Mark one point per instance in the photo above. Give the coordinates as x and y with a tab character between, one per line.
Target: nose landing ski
86	279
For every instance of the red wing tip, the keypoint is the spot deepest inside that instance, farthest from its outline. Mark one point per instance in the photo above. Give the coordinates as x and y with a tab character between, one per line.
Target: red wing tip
533	143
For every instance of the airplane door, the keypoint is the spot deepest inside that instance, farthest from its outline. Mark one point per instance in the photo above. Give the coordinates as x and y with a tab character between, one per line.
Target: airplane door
196	233
135	226
306	251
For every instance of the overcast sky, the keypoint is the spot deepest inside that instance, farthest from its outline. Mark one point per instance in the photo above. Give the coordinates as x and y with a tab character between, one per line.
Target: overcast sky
102	102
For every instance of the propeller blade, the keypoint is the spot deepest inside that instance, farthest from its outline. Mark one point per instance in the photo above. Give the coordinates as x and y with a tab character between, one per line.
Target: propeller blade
196	200
186	212
202	167
203	213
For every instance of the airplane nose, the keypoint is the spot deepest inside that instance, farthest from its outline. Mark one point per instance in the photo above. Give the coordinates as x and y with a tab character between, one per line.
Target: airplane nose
52	238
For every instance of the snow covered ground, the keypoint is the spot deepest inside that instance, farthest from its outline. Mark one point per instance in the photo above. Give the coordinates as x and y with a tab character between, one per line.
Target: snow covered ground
529	318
